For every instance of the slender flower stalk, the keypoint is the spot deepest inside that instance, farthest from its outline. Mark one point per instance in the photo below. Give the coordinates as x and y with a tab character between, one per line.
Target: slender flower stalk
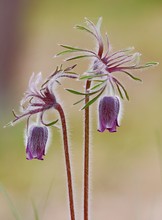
67	159
86	154
36	102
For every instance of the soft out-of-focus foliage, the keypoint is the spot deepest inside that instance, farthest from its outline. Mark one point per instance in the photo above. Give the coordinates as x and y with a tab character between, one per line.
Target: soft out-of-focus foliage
126	166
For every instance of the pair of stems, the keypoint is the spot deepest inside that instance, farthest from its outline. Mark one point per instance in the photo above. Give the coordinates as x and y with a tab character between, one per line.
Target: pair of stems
86	159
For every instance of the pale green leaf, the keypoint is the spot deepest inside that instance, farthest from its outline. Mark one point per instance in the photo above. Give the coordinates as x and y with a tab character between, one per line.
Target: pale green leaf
124	90
83	93
133	77
51	123
79	57
79	101
97	85
84	29
92	76
93	100
65	52
71	48
120	93
149	64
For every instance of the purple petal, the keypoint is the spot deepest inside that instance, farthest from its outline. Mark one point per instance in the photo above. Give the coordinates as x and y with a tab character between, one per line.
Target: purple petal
108	113
36	143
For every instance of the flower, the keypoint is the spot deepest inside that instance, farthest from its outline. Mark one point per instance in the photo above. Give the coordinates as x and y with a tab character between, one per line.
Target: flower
36	142
40	96
104	62
109	107
107	62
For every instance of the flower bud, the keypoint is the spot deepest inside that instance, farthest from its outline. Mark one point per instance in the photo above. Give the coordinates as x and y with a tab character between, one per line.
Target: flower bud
36	142
108	113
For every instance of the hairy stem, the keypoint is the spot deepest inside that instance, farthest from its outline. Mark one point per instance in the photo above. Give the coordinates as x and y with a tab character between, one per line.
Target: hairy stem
67	160
86	155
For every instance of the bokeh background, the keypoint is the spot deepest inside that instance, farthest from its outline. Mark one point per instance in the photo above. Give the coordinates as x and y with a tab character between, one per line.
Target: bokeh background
126	167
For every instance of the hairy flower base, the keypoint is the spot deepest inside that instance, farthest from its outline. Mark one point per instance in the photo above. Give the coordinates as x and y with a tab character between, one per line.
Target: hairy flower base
36	142
108	113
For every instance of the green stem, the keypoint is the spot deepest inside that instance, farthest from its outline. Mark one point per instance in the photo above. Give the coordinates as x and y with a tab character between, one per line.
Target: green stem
67	160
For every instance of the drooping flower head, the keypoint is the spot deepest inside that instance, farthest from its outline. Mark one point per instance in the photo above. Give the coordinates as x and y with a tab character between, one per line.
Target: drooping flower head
39	98
104	64
109	107
36	142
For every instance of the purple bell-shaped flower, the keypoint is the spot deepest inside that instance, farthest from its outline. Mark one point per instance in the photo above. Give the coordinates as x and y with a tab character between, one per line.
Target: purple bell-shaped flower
36	142
109	107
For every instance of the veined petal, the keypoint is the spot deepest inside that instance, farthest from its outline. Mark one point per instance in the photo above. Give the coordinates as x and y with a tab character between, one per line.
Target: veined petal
36	142
109	107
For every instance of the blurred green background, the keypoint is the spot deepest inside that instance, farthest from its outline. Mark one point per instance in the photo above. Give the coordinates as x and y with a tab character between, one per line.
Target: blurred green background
126	167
